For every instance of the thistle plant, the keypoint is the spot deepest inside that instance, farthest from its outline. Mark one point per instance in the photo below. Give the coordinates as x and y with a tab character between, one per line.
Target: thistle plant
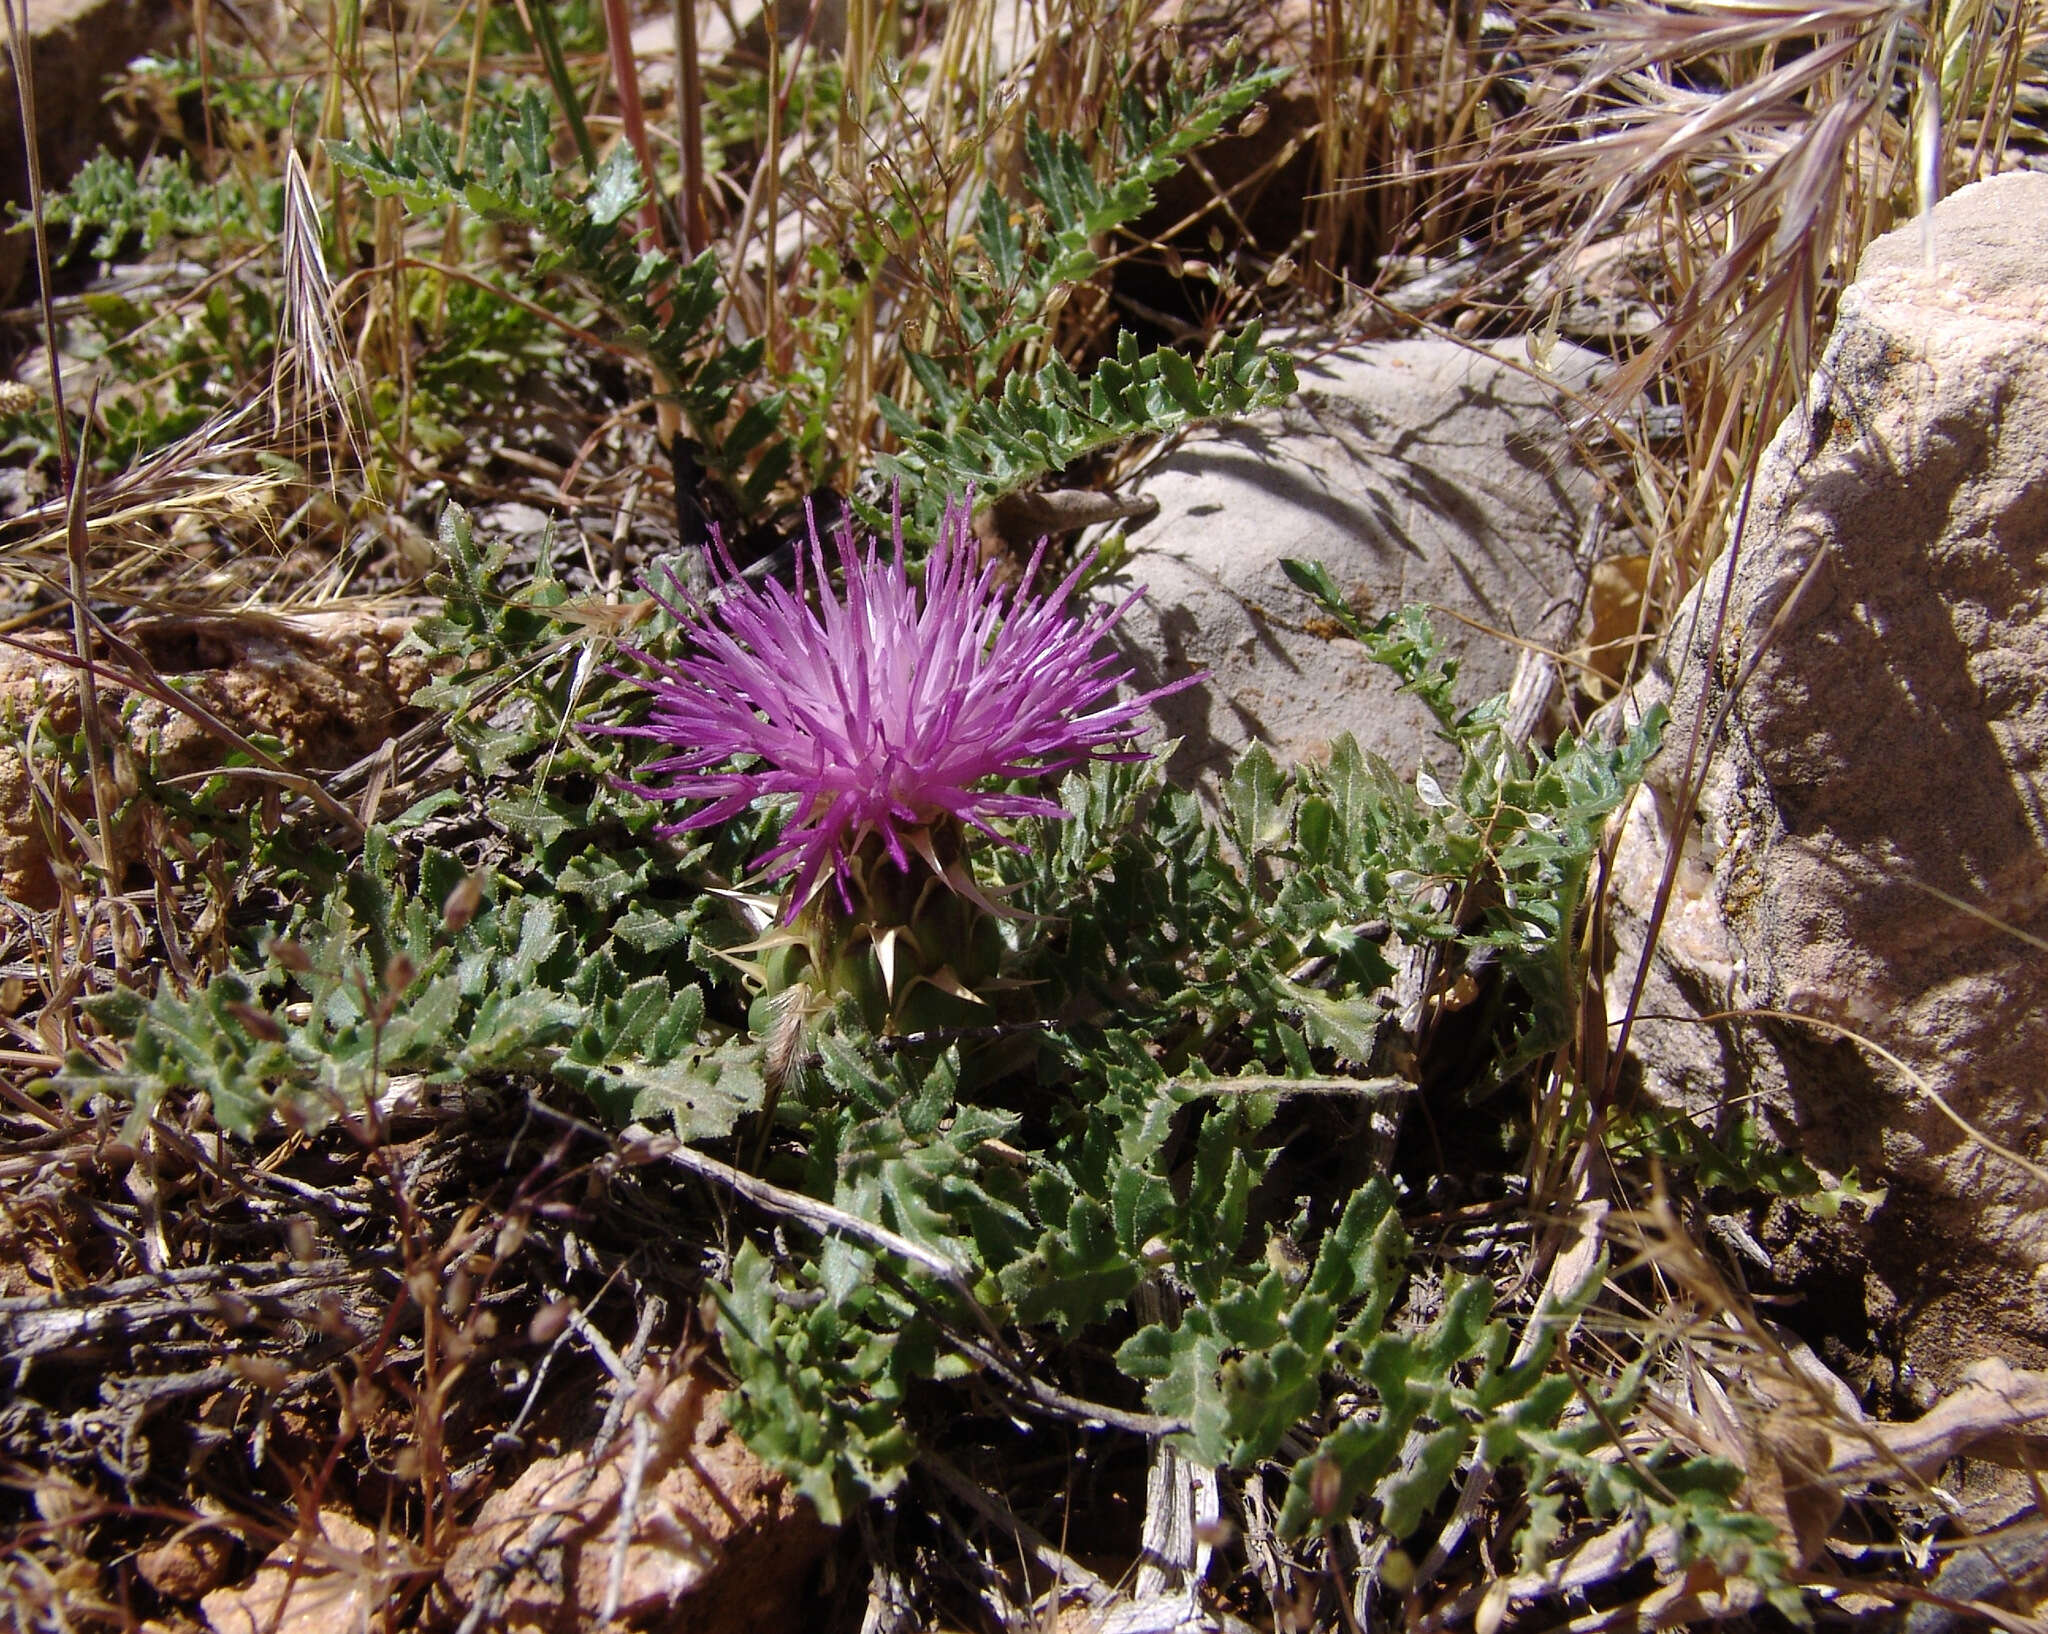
895	716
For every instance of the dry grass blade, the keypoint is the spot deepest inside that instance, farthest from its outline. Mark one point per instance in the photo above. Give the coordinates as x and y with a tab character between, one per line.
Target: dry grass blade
98	768
1657	37
1402	93
194	474
1751	151
1759	166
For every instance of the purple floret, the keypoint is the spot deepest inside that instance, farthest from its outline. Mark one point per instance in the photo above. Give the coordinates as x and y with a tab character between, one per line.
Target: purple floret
883	708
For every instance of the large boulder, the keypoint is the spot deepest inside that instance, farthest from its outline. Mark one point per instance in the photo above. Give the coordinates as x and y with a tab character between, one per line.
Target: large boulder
1416	471
1868	845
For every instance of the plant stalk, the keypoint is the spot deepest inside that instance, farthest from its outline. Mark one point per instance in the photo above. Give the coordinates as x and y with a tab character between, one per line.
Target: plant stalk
71	465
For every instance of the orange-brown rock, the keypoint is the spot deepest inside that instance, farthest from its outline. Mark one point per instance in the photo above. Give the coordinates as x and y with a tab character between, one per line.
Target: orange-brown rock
337	1578
188	1566
327	687
717	1541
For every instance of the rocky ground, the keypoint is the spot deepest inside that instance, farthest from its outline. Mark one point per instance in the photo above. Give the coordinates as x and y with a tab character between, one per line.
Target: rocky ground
1824	910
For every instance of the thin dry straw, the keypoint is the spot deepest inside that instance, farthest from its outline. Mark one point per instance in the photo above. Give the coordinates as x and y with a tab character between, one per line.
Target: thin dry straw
72	464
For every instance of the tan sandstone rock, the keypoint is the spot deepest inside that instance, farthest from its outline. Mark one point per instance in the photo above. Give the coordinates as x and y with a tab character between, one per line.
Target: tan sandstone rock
716	1542
329	687
336	1575
1876	799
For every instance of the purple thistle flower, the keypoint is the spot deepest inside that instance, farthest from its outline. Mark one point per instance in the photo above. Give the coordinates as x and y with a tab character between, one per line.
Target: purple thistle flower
884	708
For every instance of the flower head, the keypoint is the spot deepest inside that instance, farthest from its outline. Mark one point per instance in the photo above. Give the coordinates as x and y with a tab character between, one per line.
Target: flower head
884	708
